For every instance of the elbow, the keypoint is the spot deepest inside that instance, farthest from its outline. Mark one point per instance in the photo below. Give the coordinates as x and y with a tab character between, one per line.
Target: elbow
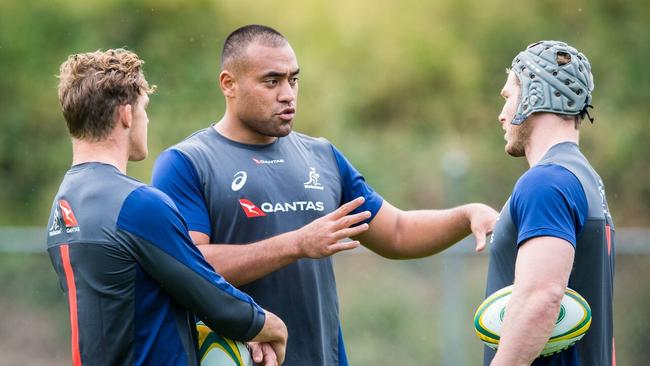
547	296
395	248
393	254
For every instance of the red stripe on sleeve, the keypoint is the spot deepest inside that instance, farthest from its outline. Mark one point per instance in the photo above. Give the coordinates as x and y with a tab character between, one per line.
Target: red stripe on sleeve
72	300
613	350
608	236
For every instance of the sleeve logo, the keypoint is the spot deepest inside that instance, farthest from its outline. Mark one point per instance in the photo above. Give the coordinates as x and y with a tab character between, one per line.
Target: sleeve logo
63	216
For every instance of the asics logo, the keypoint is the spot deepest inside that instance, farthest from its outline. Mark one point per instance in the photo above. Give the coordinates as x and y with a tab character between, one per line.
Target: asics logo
239	181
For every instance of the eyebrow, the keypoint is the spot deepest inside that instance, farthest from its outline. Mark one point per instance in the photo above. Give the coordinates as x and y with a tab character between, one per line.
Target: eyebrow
276	74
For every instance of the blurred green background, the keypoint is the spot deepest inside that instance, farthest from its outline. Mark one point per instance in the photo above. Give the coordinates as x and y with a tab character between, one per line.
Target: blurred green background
408	90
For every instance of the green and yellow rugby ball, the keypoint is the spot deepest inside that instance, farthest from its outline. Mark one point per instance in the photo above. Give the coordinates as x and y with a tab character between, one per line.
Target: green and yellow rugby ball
215	350
572	323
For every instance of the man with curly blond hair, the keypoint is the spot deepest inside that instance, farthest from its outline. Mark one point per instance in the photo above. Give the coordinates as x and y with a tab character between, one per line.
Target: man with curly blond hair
132	277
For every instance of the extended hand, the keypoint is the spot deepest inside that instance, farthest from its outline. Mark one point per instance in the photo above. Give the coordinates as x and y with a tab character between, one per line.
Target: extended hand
320	238
482	219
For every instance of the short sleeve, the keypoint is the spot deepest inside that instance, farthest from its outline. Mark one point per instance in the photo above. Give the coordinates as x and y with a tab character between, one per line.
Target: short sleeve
549	201
354	185
174	174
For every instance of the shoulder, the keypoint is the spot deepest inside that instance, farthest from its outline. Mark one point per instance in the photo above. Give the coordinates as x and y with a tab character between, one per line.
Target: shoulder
147	202
548	186
194	143
310	141
547	177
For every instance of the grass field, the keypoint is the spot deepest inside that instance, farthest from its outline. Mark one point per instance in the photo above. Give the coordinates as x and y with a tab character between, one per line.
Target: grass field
393	312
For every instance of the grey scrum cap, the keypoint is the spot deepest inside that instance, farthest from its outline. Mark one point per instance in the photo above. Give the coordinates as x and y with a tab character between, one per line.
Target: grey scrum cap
554	77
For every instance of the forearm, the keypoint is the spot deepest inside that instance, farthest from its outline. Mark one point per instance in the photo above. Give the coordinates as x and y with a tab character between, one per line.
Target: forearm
541	276
242	264
400	234
528	324
427	232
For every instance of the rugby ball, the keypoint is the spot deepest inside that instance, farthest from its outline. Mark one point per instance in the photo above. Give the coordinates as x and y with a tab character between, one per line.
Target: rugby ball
573	320
215	350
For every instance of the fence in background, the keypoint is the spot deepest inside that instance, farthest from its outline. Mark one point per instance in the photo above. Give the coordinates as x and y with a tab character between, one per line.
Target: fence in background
393	312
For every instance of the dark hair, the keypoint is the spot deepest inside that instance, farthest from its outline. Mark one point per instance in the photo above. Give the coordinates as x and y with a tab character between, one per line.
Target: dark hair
91	87
240	38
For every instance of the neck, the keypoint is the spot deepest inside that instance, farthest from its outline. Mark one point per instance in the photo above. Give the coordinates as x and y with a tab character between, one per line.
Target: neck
107	151
548	130
234	129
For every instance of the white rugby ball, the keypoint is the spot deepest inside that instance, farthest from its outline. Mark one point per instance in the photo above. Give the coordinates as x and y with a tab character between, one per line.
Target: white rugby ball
572	323
215	350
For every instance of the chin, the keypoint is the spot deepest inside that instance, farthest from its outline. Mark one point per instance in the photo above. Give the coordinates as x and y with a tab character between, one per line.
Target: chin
138	155
284	129
515	151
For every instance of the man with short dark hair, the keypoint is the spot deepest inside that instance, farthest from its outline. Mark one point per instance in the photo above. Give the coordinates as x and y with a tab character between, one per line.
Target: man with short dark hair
555	230
276	204
133	279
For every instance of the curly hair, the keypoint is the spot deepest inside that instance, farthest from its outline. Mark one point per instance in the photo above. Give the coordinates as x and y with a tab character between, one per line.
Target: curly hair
91	87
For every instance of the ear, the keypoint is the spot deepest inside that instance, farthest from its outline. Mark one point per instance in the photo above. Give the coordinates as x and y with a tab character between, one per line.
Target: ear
228	84
125	116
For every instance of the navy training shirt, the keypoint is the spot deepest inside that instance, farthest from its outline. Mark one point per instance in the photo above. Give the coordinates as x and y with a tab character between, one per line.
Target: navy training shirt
240	193
562	196
548	200
132	277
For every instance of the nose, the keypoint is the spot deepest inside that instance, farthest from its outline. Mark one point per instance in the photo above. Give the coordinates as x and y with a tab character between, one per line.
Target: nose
502	116
287	93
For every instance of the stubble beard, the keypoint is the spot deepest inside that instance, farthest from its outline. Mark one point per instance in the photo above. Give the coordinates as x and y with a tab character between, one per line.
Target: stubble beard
269	128
519	140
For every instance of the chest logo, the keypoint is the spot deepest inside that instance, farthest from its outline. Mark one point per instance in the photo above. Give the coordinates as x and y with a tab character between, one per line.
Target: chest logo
250	209
239	181
262	161
313	183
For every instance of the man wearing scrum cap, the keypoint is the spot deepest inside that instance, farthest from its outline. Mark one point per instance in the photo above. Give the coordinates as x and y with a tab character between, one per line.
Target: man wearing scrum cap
555	230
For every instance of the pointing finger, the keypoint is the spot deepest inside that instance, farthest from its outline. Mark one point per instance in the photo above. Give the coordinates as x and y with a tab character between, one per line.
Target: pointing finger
343	245
480	240
347	208
351	232
350	220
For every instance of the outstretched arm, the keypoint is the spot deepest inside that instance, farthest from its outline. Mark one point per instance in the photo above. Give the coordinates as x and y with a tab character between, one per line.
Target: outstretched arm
241	264
398	234
541	276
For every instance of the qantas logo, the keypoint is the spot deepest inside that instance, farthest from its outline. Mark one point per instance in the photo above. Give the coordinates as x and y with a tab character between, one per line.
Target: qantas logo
250	209
68	215
63	216
262	161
